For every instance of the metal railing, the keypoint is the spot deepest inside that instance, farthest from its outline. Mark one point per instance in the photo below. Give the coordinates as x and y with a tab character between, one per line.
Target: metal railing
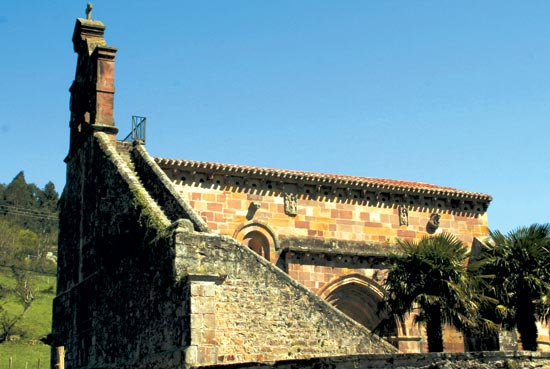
138	129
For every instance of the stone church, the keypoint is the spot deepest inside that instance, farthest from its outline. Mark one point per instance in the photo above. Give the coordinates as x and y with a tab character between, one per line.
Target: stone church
168	263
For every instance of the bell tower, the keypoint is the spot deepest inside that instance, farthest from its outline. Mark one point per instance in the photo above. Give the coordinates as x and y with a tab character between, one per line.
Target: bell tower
93	89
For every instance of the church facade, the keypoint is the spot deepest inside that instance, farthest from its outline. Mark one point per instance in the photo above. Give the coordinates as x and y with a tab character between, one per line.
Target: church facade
171	263
331	233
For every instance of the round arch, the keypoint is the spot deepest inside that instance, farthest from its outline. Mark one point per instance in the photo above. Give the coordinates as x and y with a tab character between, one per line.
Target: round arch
260	238
358	297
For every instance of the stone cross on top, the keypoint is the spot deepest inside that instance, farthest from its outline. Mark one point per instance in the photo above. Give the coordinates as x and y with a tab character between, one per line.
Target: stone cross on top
89	11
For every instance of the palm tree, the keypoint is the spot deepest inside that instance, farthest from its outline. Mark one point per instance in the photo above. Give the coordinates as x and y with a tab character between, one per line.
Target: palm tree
430	280
519	263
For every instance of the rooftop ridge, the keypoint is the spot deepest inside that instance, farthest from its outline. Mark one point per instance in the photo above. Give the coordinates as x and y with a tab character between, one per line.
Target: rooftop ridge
327	179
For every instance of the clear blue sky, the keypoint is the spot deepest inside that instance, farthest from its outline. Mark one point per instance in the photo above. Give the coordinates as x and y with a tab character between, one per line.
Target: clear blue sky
454	93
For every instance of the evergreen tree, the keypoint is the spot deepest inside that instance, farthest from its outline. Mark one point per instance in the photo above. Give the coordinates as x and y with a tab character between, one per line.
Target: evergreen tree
28	206
20	194
49	198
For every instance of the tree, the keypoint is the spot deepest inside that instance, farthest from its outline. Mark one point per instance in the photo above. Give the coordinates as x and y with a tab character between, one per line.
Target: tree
24	292
430	280
48	201
519	263
20	193
28	235
28	224
28	206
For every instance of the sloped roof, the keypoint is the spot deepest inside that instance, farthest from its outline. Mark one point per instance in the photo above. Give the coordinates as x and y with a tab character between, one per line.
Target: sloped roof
378	184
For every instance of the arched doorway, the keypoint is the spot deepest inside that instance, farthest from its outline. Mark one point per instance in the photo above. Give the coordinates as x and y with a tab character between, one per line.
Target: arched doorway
358	297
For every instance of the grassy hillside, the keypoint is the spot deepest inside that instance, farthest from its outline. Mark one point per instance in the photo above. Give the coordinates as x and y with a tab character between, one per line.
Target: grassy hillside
25	347
24	356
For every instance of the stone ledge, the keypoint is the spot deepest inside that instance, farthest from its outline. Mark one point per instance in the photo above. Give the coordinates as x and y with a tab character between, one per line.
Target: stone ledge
163	189
335	247
443	360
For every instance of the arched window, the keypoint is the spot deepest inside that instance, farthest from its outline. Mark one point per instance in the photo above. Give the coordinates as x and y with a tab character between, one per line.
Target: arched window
257	242
260	238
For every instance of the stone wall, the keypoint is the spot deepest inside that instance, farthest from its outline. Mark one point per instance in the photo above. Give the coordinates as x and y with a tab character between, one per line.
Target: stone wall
328	213
118	303
474	360
328	235
244	309
135	291
159	185
225	210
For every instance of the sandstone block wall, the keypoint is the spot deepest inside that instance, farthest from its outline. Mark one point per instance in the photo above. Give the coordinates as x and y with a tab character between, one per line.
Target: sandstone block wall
332	235
225	209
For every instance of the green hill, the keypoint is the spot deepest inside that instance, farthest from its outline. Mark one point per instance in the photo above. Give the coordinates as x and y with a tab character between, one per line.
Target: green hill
28	250
24	345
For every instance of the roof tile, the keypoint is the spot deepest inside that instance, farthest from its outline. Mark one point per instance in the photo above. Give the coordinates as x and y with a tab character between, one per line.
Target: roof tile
379	183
